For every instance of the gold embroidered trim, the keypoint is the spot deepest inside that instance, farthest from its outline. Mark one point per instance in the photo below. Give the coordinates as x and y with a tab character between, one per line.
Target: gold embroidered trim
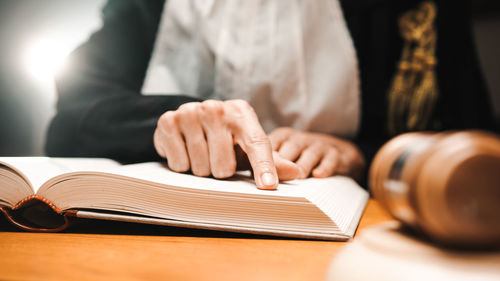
414	88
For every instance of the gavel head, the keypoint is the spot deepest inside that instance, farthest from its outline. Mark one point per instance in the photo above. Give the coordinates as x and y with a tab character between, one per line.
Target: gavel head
445	184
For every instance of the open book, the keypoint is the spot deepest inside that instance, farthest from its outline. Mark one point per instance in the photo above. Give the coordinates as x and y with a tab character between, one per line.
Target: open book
46	194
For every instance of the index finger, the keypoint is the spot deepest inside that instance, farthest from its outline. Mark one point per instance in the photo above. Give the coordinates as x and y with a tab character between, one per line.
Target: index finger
252	139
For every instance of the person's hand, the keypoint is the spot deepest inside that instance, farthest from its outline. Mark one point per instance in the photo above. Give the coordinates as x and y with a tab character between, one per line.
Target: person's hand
319	155
202	137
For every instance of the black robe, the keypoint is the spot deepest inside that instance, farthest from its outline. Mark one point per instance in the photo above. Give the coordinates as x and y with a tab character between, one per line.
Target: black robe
101	113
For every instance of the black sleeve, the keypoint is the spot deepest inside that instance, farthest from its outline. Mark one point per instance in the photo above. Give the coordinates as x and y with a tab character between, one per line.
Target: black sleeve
100	111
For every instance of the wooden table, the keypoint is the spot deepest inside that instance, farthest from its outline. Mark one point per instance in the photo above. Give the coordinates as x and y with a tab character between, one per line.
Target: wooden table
103	250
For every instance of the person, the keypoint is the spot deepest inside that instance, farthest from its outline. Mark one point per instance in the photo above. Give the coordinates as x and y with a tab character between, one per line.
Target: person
272	87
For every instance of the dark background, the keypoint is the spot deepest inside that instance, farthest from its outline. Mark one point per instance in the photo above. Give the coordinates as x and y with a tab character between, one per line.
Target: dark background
35	34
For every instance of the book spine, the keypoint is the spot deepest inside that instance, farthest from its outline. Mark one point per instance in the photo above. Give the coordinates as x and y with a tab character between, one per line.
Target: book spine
35	213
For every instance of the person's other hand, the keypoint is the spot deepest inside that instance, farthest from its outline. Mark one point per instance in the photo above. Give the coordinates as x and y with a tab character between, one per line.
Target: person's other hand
319	155
202	137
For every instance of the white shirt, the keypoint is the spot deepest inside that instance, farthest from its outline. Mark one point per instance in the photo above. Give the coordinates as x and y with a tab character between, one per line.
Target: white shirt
292	60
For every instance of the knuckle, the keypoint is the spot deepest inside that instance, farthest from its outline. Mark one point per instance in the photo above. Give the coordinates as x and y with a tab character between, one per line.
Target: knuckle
200	171
239	107
212	107
225	169
264	165
166	120
178	166
224	172
258	140
239	103
189	108
223	164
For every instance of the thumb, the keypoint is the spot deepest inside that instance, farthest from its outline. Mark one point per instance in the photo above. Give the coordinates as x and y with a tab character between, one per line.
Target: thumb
287	170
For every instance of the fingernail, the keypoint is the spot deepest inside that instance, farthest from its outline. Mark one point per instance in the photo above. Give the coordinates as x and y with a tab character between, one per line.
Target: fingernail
268	180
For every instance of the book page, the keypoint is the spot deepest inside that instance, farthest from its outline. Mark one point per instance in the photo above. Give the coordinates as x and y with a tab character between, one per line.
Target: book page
242	182
38	170
152	190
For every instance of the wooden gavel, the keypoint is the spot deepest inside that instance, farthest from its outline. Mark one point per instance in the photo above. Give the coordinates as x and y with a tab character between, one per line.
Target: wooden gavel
444	184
